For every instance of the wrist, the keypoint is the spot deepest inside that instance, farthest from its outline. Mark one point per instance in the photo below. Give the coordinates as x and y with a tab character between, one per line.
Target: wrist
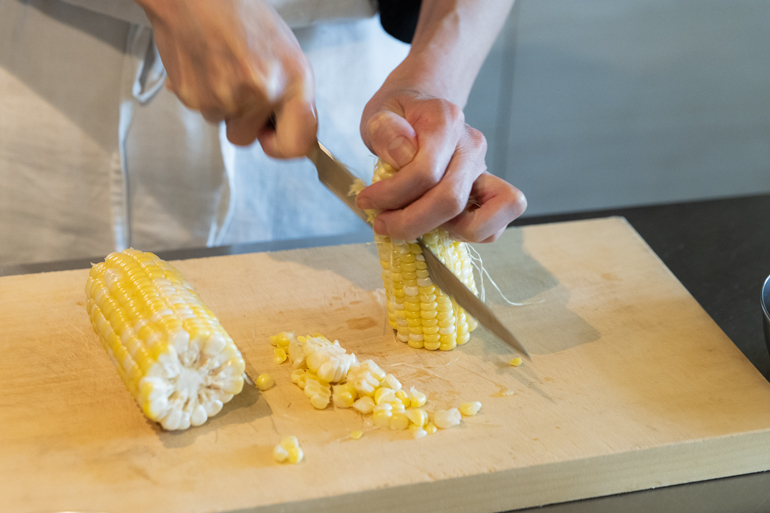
159	9
429	76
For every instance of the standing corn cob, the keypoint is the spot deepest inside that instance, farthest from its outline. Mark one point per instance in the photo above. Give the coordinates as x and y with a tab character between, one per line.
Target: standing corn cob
175	358
421	313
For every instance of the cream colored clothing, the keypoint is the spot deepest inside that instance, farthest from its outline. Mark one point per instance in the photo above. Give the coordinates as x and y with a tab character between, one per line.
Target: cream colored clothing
96	155
297	13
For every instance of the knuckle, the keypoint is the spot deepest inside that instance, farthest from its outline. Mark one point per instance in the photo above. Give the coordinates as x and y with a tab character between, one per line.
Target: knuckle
477	140
427	179
521	202
454	204
493	237
446	112
472	234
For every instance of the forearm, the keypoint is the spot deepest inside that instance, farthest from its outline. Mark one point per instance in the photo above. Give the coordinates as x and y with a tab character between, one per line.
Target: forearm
452	39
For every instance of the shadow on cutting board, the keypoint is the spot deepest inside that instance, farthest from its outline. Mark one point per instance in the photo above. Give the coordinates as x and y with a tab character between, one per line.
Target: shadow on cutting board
543	323
245	408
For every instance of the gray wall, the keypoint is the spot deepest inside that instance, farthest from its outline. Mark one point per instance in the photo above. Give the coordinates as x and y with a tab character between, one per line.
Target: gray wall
596	104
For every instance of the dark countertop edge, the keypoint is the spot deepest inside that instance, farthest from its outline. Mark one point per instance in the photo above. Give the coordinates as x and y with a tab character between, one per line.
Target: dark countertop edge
198	252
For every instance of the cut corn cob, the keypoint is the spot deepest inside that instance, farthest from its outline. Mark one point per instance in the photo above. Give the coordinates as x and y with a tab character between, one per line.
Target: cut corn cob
175	358
421	314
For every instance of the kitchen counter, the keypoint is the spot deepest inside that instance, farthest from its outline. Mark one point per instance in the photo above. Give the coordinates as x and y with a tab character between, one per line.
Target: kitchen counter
718	249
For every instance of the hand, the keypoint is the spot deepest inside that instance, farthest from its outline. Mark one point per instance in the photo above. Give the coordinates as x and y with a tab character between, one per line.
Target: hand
237	61
442	179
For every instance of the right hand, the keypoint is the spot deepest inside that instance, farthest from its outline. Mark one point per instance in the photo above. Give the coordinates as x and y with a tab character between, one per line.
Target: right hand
237	61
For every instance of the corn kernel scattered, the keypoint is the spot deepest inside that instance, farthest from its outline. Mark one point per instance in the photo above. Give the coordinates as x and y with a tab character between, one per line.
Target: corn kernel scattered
355	435
399	421
417	432
364	405
515	362
326	372
416	399
446	419
417	416
470	409
265	381
288	450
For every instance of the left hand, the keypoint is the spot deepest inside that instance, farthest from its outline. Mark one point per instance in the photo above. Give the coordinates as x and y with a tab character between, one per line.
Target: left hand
442	179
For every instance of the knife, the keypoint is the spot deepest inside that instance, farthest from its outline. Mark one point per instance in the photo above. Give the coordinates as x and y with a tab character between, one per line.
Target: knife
338	178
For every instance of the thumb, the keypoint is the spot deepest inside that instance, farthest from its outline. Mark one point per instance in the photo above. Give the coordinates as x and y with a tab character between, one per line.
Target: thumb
392	138
295	130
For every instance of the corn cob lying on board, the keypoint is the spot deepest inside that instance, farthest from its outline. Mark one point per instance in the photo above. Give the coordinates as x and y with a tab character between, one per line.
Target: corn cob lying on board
175	358
422	315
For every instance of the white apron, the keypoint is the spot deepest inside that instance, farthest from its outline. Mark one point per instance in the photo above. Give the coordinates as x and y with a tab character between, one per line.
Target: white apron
96	155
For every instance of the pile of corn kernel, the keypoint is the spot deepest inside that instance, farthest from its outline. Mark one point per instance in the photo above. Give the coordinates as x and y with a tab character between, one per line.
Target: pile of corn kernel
327	373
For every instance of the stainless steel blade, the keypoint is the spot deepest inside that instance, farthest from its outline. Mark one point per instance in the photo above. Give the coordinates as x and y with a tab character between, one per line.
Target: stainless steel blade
334	175
338	178
449	283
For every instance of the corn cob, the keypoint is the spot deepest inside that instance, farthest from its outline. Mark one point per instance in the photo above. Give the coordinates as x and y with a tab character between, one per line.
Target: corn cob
175	358
421	313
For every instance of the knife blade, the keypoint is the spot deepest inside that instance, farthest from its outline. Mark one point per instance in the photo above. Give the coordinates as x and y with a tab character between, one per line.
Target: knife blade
339	180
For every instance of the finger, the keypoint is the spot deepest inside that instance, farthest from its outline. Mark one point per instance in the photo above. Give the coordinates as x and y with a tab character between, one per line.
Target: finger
438	128
295	130
499	203
440	204
392	138
244	129
213	115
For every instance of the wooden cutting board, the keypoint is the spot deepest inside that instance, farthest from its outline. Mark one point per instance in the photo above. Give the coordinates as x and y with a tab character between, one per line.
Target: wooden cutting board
631	386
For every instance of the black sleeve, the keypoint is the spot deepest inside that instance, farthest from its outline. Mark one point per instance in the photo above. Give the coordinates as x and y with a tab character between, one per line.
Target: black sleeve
399	18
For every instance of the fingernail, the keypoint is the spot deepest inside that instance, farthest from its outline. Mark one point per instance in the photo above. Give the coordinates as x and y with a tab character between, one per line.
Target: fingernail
364	203
402	151
379	227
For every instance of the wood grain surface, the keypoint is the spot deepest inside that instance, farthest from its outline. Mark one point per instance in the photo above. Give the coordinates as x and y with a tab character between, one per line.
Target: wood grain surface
631	386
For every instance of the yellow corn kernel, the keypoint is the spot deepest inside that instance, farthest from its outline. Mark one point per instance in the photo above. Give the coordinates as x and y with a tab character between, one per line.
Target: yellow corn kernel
403	397
446	419
399	421
296	454
364	405
384	395
288	449
417	344
417	416
416	398
175	358
515	362
280	454
280	355
417	431
355	435
381	417
296	375
430	428
265	381
470	409
283	339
